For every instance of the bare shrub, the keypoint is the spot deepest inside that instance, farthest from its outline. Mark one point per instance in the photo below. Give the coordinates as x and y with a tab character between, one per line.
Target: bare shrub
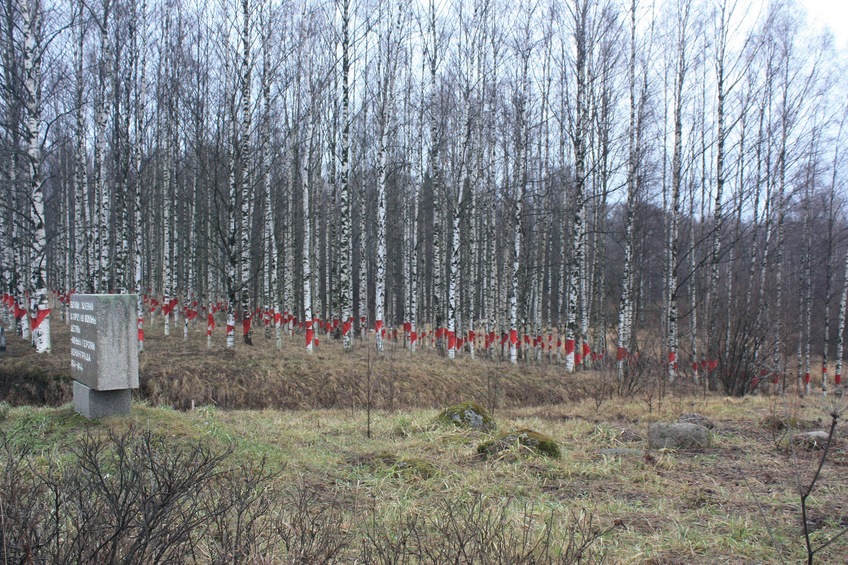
135	497
477	530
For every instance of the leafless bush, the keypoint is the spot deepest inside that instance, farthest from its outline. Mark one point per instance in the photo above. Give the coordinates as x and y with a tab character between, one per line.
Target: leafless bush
477	530
312	526
738	369
139	498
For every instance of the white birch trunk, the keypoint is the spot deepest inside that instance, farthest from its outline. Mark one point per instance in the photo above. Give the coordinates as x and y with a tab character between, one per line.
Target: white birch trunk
167	275
346	243
840	331
140	92
676	181
453	282
102	117
307	237
625	318
82	281
39	308
233	241
246	193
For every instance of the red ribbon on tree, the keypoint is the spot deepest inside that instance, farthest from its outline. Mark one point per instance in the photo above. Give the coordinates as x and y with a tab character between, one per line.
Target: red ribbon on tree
210	323
19	312
440	332
806	378
569	346
621	354
837	379
230	329
586	349
346	327
245	325
168	306
378	326
513	337
413	336
36	320
141	329
451	340
407	327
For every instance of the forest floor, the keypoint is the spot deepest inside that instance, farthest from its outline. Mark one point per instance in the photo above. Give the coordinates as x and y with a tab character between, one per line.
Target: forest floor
305	416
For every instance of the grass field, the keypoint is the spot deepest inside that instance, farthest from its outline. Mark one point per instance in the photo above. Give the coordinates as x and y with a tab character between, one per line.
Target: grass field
415	489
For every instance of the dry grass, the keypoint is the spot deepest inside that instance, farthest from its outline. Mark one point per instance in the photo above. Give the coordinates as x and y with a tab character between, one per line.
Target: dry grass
664	507
718	506
178	372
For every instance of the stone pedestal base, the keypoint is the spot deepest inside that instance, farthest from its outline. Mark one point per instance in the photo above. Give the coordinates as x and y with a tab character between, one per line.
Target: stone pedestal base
101	403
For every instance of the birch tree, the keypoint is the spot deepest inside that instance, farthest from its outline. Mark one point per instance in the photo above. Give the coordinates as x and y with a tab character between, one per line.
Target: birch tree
387	71
680	68
39	307
345	235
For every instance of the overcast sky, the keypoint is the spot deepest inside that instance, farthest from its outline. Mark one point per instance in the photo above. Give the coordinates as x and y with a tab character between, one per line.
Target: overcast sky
832	13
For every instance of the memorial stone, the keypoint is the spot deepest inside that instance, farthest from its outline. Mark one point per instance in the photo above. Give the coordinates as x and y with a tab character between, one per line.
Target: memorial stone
104	353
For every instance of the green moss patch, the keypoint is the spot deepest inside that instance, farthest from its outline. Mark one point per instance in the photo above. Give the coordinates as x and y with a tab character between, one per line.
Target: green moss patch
467	415
529	439
400	467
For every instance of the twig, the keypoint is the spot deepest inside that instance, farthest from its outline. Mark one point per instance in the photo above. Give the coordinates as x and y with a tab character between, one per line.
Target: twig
834	417
763	516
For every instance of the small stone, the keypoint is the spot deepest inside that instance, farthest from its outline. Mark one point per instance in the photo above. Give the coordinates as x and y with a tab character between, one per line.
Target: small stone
695	418
678	436
811	440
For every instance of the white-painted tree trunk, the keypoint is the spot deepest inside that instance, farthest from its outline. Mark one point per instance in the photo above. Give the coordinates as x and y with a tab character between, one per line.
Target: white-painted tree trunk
101	121
39	308
307	235
246	192
346	243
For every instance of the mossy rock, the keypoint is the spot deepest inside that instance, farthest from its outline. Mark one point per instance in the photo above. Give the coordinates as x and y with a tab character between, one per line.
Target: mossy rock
414	468
530	439
467	415
400	467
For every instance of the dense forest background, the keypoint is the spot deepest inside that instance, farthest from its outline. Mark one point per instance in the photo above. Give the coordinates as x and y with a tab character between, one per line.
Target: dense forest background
582	181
